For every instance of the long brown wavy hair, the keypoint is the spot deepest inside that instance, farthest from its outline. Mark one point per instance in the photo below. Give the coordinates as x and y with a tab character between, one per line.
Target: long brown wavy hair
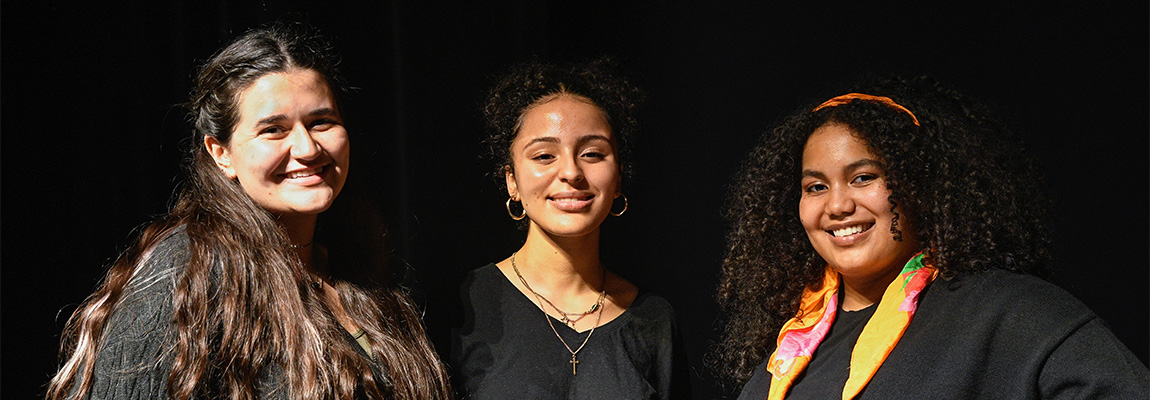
244	304
962	179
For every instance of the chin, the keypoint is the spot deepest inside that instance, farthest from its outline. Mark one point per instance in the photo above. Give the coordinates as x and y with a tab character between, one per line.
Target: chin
309	208
569	229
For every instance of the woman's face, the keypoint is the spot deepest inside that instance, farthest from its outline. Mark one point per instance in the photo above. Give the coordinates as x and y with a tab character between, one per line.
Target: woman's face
289	150
564	166
844	207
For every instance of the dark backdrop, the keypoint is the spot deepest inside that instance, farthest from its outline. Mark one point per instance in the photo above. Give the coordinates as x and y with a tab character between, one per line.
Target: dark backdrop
91	131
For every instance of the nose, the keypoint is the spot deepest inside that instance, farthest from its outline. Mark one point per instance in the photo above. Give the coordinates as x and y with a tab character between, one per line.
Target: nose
303	146
839	202
571	170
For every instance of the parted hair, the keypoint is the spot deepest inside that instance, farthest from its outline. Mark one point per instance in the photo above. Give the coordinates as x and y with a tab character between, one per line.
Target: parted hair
961	179
244	305
529	83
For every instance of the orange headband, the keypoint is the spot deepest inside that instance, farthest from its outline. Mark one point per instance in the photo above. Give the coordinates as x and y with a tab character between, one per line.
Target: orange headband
847	98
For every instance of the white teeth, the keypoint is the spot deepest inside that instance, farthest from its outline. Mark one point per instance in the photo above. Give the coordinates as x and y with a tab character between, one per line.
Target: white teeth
850	230
301	174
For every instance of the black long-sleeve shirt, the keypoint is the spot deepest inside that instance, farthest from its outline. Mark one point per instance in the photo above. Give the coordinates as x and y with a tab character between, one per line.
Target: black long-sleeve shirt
505	349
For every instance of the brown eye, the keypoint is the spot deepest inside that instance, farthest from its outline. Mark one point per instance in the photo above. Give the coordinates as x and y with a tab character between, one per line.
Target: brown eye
273	131
595	155
864	178
815	188
323	124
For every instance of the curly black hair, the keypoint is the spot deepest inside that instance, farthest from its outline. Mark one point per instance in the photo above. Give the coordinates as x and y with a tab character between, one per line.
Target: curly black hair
961	179
529	83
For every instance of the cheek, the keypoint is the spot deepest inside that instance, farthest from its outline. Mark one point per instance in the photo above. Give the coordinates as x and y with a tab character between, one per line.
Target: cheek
260	159
810	211
608	179
878	204
338	145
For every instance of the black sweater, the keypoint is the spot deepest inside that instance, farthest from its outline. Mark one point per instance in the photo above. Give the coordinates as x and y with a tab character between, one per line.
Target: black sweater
999	335
135	360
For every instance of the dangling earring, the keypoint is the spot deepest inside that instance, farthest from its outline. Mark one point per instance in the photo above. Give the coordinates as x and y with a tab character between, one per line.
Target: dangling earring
625	204
513	216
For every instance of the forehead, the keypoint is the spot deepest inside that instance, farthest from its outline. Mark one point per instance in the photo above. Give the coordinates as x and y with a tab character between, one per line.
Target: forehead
834	144
564	114
292	87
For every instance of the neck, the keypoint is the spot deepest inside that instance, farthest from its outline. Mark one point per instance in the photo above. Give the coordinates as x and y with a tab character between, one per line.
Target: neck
861	292
561	264
300	231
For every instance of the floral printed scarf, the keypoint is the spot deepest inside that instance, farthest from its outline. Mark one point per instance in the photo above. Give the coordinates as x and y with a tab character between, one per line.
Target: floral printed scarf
800	336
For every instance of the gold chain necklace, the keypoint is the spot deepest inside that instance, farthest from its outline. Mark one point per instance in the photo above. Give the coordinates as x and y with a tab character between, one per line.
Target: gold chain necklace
598	306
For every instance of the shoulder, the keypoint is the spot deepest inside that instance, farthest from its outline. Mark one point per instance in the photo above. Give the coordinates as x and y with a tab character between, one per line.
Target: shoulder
146	300
651	305
1013	314
1018	294
651	313
482	277
168	257
483	285
134	357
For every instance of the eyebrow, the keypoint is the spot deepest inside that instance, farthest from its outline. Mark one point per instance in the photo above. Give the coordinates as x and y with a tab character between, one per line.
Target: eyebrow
588	138
545	139
581	140
271	119
866	162
322	112
326	111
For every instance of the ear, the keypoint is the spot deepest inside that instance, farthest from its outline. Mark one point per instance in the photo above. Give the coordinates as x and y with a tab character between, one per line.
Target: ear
512	186
221	155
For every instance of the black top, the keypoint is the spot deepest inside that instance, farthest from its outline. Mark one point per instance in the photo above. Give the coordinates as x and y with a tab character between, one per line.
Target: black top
135	359
828	371
505	349
999	335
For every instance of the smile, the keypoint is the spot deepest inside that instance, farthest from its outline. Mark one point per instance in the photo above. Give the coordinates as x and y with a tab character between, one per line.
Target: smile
304	173
571	201
850	230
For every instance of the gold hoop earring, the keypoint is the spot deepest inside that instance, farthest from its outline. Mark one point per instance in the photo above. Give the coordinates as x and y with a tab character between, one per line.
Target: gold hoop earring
513	216
625	204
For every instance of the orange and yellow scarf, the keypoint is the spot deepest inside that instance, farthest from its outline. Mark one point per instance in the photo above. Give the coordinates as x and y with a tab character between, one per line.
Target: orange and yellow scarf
800	336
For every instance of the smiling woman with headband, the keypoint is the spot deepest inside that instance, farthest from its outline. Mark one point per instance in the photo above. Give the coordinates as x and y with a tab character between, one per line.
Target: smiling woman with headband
551	321
880	248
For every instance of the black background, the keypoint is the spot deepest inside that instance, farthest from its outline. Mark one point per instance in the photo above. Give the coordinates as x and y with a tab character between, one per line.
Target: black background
92	131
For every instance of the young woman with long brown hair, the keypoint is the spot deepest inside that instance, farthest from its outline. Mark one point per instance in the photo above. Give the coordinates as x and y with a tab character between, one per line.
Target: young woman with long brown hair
244	289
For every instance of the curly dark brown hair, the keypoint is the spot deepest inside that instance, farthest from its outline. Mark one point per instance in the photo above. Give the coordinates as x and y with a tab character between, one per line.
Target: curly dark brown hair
527	84
961	179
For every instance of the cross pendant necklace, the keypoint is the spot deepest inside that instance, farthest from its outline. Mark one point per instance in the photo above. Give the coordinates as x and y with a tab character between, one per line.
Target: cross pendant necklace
538	297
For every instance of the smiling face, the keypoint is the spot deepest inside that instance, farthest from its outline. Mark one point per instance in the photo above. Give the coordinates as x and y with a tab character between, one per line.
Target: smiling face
844	207
289	149
564	166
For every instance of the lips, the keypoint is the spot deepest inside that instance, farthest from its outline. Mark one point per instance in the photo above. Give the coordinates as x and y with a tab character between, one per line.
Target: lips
850	230
849	234
305	176
571	201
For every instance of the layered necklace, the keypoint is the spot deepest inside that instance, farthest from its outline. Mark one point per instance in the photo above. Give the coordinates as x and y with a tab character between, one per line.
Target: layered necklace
567	317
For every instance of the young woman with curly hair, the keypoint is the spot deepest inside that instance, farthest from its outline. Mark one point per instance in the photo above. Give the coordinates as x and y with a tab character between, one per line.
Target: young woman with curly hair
550	321
258	283
882	246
